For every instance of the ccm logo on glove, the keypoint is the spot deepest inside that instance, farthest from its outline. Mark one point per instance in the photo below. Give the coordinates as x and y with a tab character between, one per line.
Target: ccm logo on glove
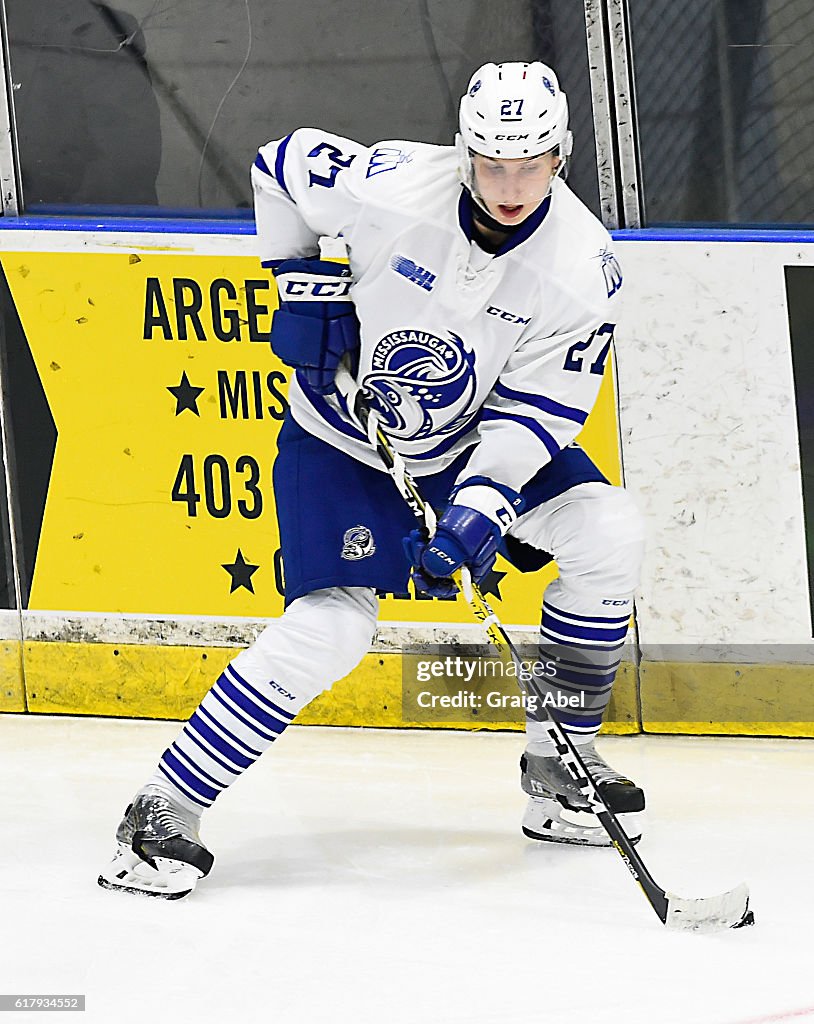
316	324
443	556
307	286
468	533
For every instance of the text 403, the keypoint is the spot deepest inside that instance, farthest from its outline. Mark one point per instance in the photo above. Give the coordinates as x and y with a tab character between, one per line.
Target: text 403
217	476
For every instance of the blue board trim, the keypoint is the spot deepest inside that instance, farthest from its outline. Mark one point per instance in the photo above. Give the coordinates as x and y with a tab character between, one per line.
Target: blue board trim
144	225
710	234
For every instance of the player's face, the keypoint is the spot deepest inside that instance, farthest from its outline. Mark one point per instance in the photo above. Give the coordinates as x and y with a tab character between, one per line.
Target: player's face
512	189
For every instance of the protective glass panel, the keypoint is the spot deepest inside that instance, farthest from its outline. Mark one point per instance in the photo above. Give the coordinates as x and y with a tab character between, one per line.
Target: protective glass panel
725	98
146	103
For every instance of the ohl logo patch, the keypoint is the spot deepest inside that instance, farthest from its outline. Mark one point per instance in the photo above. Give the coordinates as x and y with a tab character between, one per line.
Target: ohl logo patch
423	385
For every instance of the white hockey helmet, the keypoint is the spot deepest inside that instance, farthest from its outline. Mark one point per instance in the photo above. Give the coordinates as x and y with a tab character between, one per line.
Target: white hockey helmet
510	111
514	110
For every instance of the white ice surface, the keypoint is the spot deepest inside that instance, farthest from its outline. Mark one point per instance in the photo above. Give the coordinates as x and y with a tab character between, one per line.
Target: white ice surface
381	876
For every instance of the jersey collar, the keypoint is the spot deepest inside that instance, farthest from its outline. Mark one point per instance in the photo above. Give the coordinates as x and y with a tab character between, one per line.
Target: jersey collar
524	230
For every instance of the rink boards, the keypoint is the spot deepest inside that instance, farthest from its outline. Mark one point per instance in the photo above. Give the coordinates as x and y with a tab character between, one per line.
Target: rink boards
141	410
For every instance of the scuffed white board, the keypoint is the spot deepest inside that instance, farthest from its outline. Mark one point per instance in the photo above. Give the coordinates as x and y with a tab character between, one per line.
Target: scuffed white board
710	443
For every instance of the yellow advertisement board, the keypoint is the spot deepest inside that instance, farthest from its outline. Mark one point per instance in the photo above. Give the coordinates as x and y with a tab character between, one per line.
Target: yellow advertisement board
167	402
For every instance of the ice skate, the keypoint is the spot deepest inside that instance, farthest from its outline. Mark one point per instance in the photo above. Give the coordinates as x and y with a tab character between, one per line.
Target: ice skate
159	851
557	812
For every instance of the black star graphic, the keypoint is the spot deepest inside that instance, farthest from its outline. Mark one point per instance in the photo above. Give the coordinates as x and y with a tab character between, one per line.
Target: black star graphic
186	396
241	572
491	583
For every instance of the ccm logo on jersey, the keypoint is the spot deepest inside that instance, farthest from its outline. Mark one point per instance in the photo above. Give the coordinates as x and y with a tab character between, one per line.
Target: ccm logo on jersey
511	318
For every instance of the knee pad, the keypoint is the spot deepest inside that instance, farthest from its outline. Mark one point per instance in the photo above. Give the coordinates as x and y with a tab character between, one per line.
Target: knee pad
320	638
339	623
604	544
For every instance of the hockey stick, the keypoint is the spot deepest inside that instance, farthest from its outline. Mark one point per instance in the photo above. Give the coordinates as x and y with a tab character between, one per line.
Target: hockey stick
706	914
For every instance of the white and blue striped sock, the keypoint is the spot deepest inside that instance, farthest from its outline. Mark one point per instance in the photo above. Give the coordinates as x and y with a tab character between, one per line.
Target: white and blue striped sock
318	640
233	725
586	650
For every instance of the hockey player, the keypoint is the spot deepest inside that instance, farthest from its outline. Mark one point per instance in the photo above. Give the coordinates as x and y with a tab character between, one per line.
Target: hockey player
477	311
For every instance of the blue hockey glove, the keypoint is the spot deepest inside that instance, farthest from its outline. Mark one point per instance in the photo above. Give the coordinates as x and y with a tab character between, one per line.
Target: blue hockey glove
462	537
316	323
468	533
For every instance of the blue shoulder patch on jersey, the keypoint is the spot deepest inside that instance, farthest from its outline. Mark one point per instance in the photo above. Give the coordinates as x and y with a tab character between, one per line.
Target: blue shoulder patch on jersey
386	158
611	270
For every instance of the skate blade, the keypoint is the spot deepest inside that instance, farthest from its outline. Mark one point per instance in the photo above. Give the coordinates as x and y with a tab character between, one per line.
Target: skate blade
168	880
552	823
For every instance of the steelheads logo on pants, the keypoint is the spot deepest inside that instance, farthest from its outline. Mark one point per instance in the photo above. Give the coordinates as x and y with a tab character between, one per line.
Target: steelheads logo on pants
423	385
357	543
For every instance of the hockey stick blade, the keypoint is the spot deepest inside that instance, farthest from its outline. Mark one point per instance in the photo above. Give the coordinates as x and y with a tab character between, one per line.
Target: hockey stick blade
704	914
710	913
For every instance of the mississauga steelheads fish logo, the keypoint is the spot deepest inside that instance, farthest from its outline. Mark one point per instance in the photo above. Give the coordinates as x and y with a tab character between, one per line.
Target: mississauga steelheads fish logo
357	542
423	384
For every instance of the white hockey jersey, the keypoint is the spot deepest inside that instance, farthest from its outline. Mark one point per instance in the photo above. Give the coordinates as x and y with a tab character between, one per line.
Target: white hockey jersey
460	347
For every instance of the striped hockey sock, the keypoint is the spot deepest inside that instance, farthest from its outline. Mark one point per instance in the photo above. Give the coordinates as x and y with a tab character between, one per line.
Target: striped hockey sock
232	726
317	640
584	650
